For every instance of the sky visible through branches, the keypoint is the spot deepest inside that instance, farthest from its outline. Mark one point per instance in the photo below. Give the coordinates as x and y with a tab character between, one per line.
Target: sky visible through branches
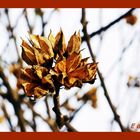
110	104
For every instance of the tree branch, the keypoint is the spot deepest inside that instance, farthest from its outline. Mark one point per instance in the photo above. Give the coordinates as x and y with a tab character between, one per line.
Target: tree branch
60	118
13	99
87	39
109	25
7	117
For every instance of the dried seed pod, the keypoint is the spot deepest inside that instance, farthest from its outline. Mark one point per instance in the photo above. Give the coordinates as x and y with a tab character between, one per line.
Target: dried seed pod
68	70
131	19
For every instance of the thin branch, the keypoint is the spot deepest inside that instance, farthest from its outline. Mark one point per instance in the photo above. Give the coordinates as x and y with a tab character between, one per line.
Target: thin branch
109	25
77	110
7	117
87	39
123	51
60	118
50	121
56	108
13	100
70	127
10	28
27	20
48	109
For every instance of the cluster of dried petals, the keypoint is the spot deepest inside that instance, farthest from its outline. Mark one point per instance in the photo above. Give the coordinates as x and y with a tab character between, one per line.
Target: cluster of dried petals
52	63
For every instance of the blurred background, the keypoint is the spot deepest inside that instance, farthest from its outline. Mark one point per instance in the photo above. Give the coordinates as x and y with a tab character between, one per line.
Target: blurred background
110	104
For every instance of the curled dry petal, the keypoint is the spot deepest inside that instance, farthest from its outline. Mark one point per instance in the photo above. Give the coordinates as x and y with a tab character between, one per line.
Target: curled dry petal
51	39
60	45
92	68
40	92
36	81
73	62
40	71
61	66
84	61
74	44
28	53
39	52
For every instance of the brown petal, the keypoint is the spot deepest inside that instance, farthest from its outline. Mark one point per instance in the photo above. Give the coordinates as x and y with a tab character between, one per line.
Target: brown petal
46	46
73	62
60	45
80	73
47	80
92	68
40	71
84	61
72	82
51	39
28	54
60	66
28	75
29	88
39	92
27	46
74	43
39	56
69	81
34	40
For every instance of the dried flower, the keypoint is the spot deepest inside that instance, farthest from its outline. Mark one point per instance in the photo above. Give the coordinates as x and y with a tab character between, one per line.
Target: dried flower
131	19
53	63
36	81
133	81
71	70
91	95
38	52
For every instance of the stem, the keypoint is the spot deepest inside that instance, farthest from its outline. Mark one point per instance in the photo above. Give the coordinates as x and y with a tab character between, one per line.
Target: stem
70	128
61	120
56	108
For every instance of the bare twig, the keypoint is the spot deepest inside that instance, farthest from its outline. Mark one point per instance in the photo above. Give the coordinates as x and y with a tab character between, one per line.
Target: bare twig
77	110
10	28
7	117
27	20
13	99
70	127
87	39
113	66
48	109
60	118
109	25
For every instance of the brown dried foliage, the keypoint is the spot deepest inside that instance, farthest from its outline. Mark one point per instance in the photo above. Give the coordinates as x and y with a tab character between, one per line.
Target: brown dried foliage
52	62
